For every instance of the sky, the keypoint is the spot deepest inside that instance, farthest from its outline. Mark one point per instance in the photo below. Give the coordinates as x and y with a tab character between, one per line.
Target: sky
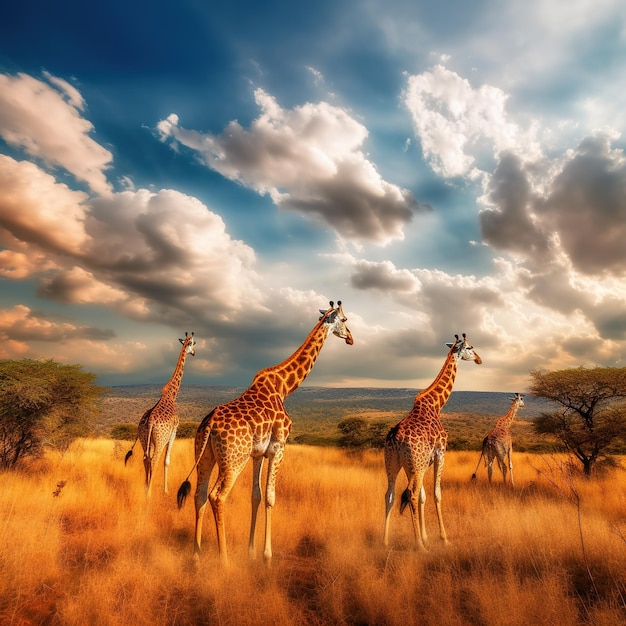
230	168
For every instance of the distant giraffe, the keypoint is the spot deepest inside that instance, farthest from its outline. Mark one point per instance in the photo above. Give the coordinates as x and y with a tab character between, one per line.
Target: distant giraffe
419	440
498	444
256	426
158	425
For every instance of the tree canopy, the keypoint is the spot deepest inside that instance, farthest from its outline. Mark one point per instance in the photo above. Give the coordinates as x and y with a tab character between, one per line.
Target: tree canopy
43	403
592	413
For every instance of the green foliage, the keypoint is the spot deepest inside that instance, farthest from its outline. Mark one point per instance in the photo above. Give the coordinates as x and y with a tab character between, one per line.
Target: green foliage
124	432
43	403
590	421
359	433
187	430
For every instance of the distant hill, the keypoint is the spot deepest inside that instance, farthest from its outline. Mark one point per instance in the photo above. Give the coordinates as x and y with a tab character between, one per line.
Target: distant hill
205	397
317	411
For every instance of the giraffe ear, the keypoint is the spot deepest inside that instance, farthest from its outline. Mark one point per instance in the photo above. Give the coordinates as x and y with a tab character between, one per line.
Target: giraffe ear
449	344
181	340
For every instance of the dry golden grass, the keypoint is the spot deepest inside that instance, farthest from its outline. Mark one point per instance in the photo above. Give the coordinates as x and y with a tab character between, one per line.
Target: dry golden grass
96	553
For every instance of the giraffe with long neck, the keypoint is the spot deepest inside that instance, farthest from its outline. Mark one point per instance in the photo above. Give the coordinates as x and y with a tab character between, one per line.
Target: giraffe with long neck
419	440
498	444
254	425
158	425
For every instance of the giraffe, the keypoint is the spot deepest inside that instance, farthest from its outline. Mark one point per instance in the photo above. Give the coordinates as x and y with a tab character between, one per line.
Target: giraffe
498	443
253	425
419	440
157	427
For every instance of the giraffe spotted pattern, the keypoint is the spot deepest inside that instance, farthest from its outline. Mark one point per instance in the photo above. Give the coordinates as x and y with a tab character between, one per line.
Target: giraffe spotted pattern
498	444
254	425
158	425
419	440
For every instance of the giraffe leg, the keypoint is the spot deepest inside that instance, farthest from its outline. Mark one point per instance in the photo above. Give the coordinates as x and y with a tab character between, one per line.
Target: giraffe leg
490	467
217	497
205	467
147	463
510	455
393	467
276	451
438	470
257	468
503	468
415	496
201	498
166	461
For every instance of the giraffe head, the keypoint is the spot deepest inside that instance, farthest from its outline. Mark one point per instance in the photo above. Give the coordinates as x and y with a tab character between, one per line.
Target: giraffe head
336	321
463	350
519	399
190	343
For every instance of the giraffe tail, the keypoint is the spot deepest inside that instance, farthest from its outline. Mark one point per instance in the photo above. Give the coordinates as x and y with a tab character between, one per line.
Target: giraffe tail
406	499
480	458
185	489
130	452
183	492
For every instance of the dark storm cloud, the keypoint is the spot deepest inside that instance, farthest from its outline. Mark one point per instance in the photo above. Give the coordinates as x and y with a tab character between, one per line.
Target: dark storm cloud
586	206
383	276
509	226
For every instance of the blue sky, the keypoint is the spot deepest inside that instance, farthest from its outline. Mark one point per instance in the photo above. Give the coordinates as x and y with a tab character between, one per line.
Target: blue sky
228	170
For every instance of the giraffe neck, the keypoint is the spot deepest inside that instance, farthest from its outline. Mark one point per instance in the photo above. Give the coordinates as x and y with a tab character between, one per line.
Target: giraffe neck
507	420
172	386
438	392
287	376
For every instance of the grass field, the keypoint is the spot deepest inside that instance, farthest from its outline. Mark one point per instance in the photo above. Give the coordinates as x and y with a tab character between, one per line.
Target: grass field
81	545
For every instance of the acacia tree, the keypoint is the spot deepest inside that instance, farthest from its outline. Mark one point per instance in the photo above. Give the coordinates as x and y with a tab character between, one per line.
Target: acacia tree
592	413
42	403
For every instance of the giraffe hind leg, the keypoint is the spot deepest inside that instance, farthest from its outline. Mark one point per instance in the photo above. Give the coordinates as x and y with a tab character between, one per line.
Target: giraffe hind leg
393	467
166	460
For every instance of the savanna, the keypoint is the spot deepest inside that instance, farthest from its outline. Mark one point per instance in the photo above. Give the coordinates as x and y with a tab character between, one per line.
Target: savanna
82	545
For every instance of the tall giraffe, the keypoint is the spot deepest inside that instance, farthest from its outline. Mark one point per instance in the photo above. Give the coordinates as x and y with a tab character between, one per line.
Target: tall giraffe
254	425
419	440
498	443
158	425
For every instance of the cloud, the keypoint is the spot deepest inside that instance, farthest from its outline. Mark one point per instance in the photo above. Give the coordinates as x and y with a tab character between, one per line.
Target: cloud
383	276
35	209
24	325
586	207
310	160
149	255
457	124
509	225
45	120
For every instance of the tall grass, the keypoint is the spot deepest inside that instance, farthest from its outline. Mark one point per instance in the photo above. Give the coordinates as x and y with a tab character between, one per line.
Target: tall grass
81	545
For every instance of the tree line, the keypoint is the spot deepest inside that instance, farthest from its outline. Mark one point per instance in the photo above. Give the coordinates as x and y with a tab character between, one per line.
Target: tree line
48	404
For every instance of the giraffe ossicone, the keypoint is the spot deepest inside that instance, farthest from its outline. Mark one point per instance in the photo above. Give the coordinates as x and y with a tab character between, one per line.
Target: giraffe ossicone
158	425
498	444
254	425
419	440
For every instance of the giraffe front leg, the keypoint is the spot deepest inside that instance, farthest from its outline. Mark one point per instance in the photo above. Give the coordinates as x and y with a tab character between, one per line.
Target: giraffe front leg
257	468
276	452
438	470
510	455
